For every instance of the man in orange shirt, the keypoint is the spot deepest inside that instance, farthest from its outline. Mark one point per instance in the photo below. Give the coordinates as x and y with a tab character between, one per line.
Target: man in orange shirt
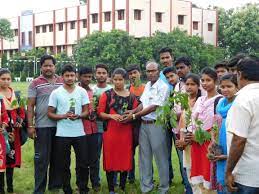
136	88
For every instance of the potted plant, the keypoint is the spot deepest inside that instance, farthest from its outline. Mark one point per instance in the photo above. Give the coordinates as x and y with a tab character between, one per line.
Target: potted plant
72	105
93	113
215	149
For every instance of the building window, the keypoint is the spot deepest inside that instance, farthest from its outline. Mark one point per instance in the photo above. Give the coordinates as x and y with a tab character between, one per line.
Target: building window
30	38
15	32
158	17
37	29
195	25
181	19
107	16
210	27
44	28
60	26
95	18
84	23
72	25
23	38
121	14
137	14
58	49
50	28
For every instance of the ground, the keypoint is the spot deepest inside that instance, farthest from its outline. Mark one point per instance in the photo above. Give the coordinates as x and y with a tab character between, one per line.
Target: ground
24	181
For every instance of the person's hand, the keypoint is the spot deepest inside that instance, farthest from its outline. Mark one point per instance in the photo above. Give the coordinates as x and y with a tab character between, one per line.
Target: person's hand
11	137
180	144
32	132
230	182
2	130
189	138
18	124
126	118
74	117
217	158
116	117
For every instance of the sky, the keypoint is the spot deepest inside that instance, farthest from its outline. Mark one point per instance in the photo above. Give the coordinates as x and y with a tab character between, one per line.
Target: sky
13	8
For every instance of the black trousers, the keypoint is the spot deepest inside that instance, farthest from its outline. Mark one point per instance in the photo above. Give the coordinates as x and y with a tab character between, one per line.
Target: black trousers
91	155
44	158
63	150
110	179
9	180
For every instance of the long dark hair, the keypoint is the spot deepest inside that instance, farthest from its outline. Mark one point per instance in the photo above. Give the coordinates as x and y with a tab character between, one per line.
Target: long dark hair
196	79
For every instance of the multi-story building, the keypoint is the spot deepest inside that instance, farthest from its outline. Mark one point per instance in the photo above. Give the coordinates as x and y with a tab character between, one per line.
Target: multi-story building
58	30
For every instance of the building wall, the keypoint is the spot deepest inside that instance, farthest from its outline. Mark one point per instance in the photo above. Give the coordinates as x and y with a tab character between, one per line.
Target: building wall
59	40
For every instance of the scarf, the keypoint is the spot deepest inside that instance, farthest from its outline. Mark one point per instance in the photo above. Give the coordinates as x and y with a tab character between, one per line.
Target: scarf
222	109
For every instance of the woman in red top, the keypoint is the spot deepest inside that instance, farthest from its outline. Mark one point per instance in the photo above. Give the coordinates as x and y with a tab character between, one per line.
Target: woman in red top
117	140
16	116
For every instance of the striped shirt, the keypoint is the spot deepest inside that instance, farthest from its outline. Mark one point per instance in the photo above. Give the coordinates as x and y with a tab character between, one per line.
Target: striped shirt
40	88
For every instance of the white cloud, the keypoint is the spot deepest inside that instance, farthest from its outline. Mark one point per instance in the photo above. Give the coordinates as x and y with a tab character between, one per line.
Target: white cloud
12	8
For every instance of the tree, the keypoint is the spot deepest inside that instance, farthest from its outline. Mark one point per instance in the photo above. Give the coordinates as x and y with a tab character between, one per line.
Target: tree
6	32
239	30
118	49
112	48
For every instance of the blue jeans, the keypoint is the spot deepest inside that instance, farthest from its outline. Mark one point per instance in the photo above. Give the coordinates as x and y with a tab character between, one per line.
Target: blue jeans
171	136
242	189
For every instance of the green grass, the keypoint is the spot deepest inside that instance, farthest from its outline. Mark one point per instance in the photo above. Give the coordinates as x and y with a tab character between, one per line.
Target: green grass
24	177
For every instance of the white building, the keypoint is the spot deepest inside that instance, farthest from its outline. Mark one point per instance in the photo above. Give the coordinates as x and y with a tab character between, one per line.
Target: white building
59	30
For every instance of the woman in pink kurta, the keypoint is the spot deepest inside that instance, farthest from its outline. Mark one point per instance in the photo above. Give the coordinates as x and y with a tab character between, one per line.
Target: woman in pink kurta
204	111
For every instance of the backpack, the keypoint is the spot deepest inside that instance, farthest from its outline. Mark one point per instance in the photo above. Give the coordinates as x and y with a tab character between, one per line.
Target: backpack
216	103
110	93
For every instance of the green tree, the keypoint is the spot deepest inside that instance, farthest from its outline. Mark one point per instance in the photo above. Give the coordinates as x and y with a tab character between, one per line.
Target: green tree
5	29
118	49
239	30
112	48
62	59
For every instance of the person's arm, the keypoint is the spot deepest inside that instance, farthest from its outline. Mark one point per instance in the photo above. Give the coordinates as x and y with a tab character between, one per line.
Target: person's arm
146	111
56	117
235	153
85	111
30	114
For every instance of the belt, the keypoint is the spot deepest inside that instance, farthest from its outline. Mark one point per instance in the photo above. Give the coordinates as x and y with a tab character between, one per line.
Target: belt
148	121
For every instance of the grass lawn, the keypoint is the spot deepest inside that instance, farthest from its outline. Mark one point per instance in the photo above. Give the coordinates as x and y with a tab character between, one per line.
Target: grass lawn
24	181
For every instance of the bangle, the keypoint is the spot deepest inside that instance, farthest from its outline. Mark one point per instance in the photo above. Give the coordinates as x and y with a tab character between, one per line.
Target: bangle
133	116
31	126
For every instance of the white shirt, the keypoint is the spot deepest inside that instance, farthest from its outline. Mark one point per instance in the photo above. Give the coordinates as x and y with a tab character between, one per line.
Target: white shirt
243	121
154	95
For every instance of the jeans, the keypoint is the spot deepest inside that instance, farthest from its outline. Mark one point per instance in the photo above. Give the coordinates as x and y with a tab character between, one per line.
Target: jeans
171	136
242	189
44	158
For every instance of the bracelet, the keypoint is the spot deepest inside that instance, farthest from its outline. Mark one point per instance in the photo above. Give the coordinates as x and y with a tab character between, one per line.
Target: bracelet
31	126
133	116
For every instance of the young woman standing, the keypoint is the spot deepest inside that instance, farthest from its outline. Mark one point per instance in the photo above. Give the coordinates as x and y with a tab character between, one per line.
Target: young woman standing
117	140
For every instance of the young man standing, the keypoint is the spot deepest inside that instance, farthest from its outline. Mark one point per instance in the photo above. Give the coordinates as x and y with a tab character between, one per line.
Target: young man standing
44	130
90	126
68	105
221	69
101	75
136	88
172	77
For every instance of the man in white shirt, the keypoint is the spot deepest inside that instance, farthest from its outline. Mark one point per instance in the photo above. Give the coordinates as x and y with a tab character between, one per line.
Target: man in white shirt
152	137
243	131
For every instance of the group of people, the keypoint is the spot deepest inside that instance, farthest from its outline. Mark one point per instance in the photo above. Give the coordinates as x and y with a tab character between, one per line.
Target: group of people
113	120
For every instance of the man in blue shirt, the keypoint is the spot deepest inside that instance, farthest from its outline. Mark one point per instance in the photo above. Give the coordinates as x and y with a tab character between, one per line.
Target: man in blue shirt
68	105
